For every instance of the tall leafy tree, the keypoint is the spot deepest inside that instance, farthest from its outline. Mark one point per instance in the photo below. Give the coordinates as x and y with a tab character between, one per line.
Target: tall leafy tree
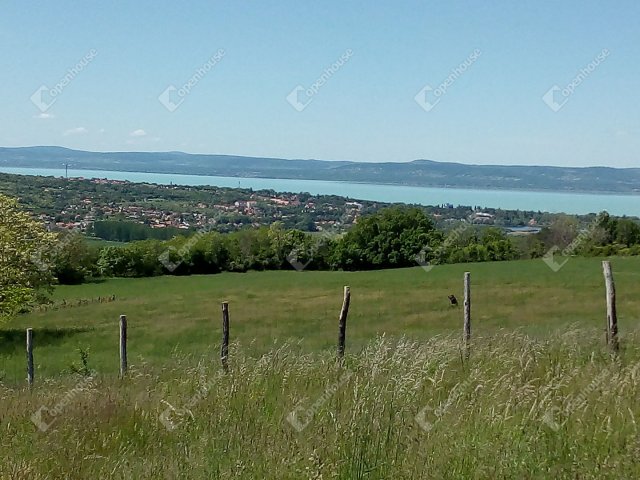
26	251
392	237
627	232
73	259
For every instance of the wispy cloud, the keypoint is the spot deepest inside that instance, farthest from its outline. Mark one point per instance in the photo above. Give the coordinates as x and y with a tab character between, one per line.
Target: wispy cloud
138	133
44	116
75	131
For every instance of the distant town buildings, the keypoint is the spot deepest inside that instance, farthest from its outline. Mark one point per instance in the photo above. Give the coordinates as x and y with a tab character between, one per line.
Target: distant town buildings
266	208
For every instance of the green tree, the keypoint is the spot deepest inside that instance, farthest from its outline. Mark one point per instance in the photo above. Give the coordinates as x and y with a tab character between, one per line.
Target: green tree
561	232
115	262
26	250
73	260
390	238
627	232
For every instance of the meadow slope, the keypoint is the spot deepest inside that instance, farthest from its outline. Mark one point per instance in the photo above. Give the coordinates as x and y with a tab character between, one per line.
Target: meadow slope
540	396
182	314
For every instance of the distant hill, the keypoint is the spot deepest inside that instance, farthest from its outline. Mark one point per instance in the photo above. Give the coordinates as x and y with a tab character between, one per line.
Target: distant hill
425	173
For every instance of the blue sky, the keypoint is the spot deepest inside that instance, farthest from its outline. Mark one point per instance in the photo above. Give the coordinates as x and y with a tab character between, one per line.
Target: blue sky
365	108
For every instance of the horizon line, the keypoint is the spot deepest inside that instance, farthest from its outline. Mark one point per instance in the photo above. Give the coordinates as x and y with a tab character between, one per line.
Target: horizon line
400	162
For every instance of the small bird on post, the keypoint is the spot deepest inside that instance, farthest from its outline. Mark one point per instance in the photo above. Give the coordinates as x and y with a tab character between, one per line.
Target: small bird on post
453	300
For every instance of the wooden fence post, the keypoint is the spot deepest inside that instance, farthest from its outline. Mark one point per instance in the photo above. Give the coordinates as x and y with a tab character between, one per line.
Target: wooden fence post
224	351
30	356
123	345
467	312
612	316
342	335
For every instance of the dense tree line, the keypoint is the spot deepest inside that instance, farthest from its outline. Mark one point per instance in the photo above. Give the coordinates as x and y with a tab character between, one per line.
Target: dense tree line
391	238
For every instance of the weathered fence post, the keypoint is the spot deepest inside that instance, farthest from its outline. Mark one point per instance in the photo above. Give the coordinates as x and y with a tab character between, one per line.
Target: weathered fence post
123	345
224	351
612	316
467	312
30	356
342	335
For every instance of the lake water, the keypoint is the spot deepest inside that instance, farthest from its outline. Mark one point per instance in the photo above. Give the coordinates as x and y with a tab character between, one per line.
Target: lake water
576	203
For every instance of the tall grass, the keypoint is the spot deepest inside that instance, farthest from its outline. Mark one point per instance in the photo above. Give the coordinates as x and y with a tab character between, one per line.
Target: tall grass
167	313
521	407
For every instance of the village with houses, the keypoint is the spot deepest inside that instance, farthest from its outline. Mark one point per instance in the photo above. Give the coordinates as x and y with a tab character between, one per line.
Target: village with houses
94	206
61	205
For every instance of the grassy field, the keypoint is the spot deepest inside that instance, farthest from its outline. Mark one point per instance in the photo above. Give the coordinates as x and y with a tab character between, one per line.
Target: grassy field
539	397
182	314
